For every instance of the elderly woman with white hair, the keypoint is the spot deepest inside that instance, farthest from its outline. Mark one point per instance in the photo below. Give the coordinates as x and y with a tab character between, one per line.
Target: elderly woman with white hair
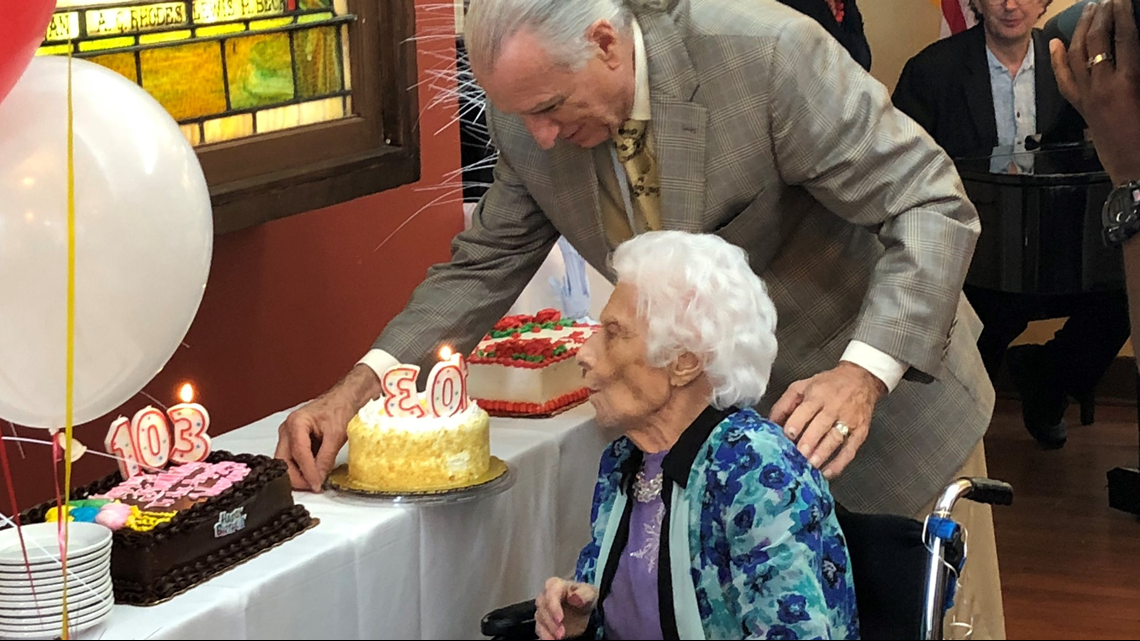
706	522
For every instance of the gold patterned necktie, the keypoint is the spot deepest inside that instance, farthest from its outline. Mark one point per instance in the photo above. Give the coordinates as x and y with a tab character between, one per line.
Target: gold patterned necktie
635	156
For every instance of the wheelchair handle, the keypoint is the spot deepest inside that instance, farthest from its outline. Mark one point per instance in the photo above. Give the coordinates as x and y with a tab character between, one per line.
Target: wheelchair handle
940	540
979	490
990	492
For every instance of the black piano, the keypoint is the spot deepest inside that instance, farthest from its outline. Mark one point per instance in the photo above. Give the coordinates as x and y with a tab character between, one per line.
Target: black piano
1041	229
1041	233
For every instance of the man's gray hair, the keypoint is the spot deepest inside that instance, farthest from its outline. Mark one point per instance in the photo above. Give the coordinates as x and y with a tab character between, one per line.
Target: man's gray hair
697	293
560	24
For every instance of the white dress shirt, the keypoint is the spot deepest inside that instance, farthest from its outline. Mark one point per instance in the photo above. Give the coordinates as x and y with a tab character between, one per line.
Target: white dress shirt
1015	100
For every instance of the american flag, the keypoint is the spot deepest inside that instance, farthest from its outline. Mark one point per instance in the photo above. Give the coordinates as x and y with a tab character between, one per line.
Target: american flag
956	16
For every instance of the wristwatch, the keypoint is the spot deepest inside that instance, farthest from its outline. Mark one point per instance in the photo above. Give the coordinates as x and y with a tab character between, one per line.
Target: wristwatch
1121	213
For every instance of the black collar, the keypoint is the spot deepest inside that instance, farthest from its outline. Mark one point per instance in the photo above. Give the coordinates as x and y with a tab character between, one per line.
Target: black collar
678	462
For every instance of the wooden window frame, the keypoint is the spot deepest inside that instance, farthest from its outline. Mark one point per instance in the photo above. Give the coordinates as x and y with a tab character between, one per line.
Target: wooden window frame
266	177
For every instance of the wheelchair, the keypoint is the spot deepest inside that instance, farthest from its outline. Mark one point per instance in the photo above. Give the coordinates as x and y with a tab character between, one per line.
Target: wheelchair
905	571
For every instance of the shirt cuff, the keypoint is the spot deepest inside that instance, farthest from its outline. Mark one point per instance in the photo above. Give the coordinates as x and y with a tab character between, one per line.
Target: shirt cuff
882	365
380	362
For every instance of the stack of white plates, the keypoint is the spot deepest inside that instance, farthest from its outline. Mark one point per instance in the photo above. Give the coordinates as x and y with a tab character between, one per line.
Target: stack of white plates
31	596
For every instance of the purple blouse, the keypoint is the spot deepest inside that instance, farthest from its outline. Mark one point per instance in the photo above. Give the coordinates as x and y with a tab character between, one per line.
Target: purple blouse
632	609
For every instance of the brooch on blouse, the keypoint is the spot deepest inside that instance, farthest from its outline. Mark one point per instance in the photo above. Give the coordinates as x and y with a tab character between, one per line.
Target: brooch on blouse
645	490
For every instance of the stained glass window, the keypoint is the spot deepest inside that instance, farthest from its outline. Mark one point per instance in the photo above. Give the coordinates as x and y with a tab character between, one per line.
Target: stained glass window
224	69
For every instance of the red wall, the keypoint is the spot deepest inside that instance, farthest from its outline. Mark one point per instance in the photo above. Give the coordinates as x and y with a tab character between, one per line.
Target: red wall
291	305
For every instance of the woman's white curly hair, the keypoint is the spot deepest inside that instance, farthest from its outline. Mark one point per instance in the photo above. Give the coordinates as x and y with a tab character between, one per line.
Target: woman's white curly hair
697	293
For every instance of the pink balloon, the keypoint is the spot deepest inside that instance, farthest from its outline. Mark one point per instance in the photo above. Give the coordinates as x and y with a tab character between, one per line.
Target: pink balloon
23	26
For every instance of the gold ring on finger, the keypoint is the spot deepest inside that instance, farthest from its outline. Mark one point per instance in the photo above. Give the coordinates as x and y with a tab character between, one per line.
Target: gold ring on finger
842	428
1099	58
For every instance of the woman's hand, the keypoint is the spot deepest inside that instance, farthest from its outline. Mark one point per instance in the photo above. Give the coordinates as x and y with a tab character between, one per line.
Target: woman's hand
563	609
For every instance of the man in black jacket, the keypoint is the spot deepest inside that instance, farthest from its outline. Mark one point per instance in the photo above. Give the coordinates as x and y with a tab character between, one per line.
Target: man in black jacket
842	20
991	86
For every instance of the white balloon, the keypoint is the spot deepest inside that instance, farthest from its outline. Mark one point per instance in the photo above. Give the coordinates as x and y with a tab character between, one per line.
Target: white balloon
144	236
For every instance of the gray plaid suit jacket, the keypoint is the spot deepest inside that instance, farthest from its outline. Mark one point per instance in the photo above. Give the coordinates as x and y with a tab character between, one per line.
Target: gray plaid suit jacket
769	135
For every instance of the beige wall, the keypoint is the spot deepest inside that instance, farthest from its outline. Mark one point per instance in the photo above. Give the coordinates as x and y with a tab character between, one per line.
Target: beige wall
897	29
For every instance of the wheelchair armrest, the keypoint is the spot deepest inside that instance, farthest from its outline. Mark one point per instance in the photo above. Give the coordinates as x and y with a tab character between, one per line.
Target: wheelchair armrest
510	622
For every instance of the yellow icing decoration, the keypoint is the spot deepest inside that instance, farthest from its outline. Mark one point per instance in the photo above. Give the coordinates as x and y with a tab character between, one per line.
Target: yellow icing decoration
146	521
53	514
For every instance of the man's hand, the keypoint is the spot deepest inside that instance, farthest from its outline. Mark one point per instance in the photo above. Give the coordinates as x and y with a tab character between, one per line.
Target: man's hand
811	409
563	609
1107	93
311	437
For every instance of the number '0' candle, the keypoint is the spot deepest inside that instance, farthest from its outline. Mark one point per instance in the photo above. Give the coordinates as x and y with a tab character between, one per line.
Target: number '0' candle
446	385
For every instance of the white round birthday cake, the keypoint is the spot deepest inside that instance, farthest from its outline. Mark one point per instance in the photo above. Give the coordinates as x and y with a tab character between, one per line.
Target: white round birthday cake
417	453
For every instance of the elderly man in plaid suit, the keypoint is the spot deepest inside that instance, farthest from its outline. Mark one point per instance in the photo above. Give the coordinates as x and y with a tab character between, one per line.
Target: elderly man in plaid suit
745	119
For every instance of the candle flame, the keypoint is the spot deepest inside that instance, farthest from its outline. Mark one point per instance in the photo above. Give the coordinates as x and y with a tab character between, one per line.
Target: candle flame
445	353
186	393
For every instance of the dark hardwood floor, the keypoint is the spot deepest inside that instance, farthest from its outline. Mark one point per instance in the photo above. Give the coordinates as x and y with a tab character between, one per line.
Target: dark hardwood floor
1070	565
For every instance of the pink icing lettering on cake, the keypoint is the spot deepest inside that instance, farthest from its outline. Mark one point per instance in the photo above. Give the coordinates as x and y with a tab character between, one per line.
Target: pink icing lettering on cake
180	485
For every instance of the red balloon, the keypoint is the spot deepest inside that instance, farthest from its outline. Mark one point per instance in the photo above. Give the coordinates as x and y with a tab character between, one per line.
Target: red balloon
23	26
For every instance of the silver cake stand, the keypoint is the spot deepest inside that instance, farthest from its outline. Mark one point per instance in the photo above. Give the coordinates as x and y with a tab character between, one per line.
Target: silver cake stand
499	478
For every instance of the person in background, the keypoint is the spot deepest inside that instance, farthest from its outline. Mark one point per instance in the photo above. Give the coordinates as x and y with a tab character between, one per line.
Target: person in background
1100	75
707	522
992	86
841	18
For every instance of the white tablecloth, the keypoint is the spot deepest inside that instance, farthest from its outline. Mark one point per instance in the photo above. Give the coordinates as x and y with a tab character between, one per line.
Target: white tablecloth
374	571
476	557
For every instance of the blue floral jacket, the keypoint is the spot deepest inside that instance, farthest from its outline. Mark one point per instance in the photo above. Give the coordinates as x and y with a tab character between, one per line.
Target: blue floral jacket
750	546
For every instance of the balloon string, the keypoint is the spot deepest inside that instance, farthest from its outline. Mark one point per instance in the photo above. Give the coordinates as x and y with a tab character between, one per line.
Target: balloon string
69	407
16	514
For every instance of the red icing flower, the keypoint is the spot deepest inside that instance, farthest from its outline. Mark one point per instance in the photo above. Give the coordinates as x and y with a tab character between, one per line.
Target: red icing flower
548	316
511	322
538	347
524	348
